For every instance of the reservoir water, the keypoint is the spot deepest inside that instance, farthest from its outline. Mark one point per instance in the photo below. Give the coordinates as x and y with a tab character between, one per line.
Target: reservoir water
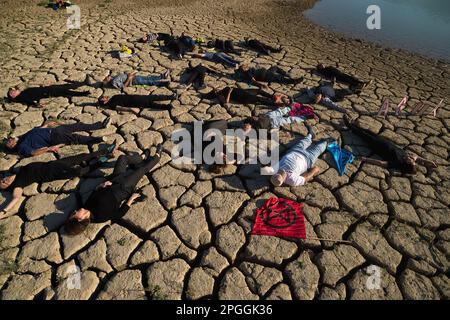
420	26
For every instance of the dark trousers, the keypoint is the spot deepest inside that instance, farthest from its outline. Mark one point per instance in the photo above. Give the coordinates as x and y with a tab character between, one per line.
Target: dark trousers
74	166
278	75
261	47
331	72
125	183
251	96
64	134
66	90
382	147
197	74
157	106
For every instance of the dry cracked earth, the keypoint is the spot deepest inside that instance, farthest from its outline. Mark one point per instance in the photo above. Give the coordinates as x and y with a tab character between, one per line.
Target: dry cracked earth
191	238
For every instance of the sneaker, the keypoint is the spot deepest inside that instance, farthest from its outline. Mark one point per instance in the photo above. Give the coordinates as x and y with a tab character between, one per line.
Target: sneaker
89	80
310	131
165	75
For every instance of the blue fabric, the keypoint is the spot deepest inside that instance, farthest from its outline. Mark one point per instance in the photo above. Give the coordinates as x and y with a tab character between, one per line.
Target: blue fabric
146	80
36	138
341	156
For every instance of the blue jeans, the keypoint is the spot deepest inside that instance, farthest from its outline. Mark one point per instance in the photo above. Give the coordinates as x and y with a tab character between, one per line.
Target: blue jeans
146	80
220	57
309	150
278	119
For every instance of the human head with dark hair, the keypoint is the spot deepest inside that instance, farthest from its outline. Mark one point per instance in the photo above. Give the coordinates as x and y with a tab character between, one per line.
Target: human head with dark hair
409	165
13	93
6	180
248	124
77	222
11	143
320	66
218	168
103	100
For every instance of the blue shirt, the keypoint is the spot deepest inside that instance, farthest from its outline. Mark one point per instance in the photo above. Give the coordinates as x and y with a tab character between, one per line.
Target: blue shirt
119	80
34	139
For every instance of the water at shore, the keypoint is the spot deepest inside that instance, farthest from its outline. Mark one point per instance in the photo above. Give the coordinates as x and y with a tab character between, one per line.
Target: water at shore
421	26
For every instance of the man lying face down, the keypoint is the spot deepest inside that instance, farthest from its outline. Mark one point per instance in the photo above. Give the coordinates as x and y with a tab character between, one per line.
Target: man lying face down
40	172
113	198
134	103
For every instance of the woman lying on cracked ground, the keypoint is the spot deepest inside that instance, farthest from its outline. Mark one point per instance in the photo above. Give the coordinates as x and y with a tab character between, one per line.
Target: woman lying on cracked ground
113	198
40	172
394	157
243	96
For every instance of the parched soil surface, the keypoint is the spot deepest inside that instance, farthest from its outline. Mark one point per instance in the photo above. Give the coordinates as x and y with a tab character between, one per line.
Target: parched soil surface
191	238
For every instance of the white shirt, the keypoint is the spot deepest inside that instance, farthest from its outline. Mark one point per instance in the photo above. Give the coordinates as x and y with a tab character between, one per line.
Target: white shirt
294	165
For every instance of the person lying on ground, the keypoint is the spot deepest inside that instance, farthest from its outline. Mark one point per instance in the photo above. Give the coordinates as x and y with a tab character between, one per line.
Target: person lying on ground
226	46
334	74
260	47
51	136
112	199
293	113
179	46
124	80
196	75
40	172
256	75
32	96
217	57
216	129
241	96
394	157
327	96
297	168
135	102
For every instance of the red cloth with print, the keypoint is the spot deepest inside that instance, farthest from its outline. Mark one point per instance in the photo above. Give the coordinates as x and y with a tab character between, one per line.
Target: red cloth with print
302	110
280	217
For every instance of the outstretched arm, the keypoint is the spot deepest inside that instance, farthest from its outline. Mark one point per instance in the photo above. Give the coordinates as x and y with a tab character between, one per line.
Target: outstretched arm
310	174
380	163
258	84
40	151
126	206
129	79
6	212
426	163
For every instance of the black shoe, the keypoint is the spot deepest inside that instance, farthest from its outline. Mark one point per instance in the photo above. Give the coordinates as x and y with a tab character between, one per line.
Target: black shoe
107	122
347	121
311	131
158	150
146	154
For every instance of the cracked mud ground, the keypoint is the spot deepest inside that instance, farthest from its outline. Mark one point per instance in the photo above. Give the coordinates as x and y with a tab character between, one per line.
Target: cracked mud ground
191	238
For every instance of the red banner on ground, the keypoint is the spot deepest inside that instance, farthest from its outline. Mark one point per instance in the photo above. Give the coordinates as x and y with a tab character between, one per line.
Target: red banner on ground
280	217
